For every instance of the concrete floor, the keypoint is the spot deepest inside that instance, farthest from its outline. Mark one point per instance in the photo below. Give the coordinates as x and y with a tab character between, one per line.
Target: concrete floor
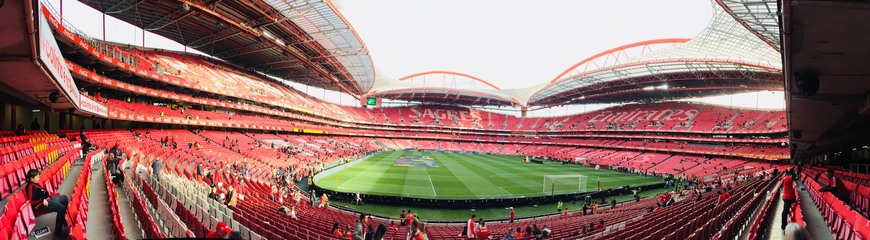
815	223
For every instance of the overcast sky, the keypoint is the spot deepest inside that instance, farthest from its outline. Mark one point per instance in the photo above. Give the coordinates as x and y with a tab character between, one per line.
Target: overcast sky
510	43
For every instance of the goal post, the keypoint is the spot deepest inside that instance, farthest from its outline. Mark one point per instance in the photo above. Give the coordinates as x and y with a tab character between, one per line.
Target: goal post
564	184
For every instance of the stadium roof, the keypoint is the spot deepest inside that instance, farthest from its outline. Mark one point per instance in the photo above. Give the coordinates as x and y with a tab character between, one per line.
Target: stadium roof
724	58
759	16
311	43
443	87
302	41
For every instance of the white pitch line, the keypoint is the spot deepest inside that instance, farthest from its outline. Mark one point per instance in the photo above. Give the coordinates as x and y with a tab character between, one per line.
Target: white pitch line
433	186
354	176
509	193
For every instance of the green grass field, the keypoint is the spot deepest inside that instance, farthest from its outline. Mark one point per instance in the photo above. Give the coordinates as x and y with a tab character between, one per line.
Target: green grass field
466	176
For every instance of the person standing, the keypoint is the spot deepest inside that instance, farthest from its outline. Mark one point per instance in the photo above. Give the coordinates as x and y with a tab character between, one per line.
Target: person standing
788	196
402	220
156	167
512	215
34	125
470	231
359	229
613	203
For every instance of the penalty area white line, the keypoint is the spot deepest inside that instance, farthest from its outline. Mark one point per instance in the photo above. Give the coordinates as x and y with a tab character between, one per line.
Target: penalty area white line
433	186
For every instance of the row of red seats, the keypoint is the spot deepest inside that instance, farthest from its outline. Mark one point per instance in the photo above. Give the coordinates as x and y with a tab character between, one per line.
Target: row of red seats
12	172
18	217
77	212
146	222
841	219
169	220
118	230
758	227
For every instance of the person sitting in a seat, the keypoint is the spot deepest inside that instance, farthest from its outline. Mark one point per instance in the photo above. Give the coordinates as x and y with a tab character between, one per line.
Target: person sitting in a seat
42	201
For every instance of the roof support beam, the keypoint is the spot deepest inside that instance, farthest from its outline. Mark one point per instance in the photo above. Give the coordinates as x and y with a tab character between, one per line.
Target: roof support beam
168	19
244	50
213	38
121	7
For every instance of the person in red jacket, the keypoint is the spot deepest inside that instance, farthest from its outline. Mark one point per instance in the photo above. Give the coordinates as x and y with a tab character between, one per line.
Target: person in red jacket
835	186
221	231
722	197
470	230
482	232
788	196
512	215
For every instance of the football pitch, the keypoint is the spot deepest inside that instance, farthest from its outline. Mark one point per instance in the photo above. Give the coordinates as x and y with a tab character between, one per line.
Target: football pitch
436	175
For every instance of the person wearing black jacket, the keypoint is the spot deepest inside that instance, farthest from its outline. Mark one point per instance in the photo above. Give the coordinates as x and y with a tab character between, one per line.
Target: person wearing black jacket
42	201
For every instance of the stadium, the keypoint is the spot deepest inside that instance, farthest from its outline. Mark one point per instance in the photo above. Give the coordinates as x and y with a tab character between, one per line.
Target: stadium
270	119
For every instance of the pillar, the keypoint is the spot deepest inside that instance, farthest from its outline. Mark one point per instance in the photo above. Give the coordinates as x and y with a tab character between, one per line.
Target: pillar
46	122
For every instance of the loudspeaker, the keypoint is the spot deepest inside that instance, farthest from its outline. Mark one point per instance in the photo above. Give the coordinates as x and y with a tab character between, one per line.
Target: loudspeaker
54	95
71	110
807	82
796	134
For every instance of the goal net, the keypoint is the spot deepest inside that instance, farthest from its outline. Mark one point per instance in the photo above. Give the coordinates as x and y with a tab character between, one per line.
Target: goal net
564	184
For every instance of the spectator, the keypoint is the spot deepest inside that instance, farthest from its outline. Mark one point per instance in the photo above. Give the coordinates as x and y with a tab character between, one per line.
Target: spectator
221	231
613	203
410	217
19	131
42	201
512	215
483	232
324	201
536	232
336	231
788	196
236	235
34	125
213	194
585	208
470	231
380	232
370	232
199	171
402	220
794	231
518	234
723	195
297	196
419	230
156	167
359	230
546	232
834	186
